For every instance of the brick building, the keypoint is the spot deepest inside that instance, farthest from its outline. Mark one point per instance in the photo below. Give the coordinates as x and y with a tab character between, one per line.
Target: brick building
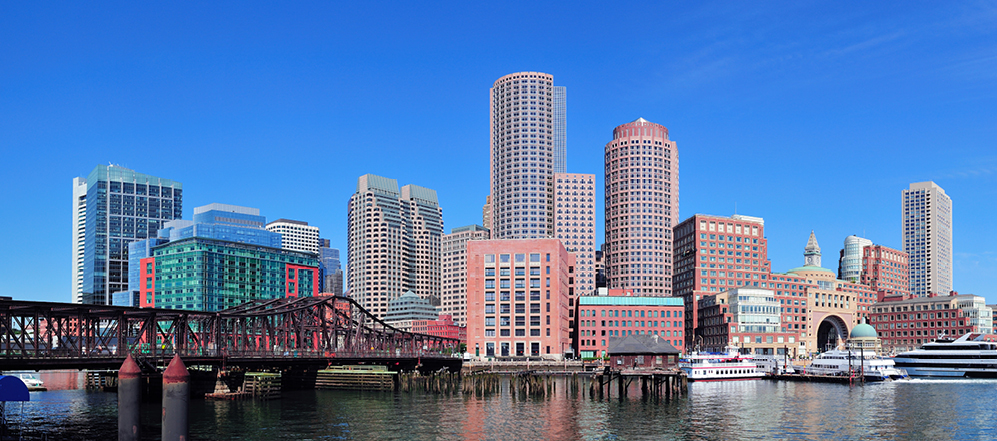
906	322
601	319
714	254
519	298
886	270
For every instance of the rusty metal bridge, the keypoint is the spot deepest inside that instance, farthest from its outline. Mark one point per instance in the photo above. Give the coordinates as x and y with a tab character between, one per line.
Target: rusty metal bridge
264	333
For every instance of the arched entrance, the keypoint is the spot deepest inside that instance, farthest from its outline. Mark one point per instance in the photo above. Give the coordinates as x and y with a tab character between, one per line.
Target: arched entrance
831	332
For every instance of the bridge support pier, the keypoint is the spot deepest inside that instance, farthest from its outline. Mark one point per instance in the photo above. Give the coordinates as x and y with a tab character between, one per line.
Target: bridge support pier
176	396
129	400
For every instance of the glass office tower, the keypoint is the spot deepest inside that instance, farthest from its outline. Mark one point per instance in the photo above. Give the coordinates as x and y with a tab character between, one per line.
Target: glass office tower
121	206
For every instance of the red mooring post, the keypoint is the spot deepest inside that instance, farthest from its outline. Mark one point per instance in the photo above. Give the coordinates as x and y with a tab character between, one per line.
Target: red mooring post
176	394
129	399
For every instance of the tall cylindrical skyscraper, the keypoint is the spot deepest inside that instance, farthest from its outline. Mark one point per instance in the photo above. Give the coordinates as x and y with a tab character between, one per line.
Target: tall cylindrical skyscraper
527	148
642	206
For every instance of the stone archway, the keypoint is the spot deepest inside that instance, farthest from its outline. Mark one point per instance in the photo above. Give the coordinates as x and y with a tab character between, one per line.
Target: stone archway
831	332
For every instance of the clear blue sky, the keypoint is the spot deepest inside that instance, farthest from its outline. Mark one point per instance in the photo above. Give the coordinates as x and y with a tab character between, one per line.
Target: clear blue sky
812	115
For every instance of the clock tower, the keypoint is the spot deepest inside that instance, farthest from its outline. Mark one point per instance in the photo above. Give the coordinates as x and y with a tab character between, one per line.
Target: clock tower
811	253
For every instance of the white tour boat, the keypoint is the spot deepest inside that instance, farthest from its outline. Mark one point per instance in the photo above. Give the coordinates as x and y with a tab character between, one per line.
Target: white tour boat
714	366
843	363
969	356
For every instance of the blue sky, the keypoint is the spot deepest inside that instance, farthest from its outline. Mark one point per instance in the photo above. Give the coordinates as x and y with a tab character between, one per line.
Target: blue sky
812	115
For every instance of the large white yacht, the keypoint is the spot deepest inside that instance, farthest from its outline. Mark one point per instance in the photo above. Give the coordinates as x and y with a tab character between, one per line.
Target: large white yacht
851	362
715	366
969	356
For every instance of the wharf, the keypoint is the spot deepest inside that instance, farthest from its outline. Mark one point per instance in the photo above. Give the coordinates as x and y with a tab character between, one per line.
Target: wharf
671	383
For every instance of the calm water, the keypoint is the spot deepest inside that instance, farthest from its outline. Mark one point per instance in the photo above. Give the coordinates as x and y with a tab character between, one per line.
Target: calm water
917	409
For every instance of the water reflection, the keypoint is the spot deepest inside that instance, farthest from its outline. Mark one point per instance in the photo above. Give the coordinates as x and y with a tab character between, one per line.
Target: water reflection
938	410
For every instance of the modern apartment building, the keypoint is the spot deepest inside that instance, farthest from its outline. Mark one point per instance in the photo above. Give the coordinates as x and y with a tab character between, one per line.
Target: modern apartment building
714	254
527	148
518	294
394	243
118	206
850	262
905	322
885	270
573	205
296	235
454	256
927	238
642	206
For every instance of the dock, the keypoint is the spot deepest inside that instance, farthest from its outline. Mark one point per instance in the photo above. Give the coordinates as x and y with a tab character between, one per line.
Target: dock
365	377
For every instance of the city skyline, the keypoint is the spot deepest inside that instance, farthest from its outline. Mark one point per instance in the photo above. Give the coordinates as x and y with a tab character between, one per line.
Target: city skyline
818	126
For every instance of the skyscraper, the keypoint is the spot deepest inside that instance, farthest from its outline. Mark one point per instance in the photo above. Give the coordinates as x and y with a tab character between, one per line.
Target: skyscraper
79	237
527	148
394	243
330	268
573	208
850	262
296	235
642	207
927	238
120	206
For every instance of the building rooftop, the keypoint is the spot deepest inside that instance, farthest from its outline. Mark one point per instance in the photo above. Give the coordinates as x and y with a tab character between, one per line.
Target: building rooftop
805	268
228	208
863	331
288	221
629	301
640	344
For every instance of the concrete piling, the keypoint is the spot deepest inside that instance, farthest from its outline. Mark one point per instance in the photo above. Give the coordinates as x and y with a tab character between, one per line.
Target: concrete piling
129	400
176	395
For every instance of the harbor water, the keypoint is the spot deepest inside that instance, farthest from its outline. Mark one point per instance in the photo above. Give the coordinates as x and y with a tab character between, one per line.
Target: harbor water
732	410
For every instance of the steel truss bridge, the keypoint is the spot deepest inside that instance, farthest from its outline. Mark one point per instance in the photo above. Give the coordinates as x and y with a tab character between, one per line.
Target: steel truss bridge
263	333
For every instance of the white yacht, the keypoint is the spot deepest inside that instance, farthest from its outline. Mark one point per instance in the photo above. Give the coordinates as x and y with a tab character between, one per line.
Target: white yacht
844	363
969	356
715	366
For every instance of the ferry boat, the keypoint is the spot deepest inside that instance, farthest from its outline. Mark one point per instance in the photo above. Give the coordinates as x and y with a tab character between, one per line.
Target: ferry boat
969	356
715	366
843	363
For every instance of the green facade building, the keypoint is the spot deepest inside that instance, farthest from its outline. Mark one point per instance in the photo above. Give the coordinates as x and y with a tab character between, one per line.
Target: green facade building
212	275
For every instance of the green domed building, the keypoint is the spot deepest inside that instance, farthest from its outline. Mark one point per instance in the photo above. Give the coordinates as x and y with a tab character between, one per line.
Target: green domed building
864	337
